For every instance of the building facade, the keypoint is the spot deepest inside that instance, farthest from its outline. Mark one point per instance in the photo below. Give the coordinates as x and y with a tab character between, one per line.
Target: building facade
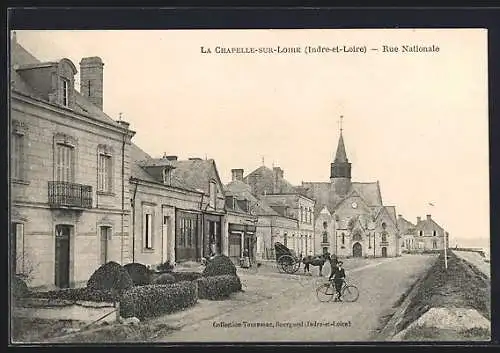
166	214
428	235
198	233
69	176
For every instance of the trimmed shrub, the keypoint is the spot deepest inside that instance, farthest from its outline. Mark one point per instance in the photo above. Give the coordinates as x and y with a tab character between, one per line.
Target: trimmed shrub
166	267
218	266
110	276
186	276
164	278
218	287
155	299
85	294
139	273
19	287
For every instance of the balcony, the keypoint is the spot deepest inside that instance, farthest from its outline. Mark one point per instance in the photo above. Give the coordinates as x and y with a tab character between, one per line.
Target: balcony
325	243
384	243
63	194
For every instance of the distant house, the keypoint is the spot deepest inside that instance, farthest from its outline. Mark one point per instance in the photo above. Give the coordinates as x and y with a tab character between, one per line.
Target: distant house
407	231
429	235
197	234
294	211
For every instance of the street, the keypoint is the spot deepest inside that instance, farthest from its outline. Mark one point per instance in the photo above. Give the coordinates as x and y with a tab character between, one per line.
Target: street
283	307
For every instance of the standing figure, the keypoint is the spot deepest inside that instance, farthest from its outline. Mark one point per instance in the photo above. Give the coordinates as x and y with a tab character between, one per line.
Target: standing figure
338	275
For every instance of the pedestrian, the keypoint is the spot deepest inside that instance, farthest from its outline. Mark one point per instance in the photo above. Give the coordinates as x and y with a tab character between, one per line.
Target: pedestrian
338	275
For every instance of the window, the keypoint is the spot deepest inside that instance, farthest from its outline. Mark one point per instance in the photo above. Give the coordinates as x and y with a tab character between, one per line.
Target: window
369	241
65	92
384	225
357	236
65	163
104	171
434	244
343	238
17	156
325	237
421	233
434	233
301	214
213	194
148	231
285	240
384	237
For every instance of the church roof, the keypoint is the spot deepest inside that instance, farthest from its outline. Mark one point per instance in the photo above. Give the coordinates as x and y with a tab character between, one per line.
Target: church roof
341	156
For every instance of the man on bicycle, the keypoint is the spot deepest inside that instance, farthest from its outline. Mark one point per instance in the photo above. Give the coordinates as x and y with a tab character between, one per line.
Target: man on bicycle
338	275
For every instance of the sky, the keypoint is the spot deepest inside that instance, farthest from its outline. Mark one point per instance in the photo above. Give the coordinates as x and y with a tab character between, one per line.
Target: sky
416	122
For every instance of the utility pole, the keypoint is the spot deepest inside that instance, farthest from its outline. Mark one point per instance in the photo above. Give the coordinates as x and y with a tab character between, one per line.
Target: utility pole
445	251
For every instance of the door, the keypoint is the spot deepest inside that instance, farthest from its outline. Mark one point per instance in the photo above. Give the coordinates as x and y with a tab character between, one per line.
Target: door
384	251
105	237
186	238
357	250
62	255
235	247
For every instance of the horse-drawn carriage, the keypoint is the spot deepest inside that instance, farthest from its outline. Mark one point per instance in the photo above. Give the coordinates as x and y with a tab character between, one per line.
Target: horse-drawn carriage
286	259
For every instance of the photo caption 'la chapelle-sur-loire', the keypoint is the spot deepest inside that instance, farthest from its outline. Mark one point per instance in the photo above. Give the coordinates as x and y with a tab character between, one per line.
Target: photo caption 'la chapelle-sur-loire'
320	49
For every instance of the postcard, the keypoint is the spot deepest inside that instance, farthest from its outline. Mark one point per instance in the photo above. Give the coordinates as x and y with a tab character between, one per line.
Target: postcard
249	186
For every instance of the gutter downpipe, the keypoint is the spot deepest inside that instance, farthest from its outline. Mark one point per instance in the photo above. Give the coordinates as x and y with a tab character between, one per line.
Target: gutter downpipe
123	197
132	204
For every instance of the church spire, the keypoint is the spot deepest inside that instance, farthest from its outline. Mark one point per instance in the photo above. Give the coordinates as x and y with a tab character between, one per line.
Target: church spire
340	171
341	156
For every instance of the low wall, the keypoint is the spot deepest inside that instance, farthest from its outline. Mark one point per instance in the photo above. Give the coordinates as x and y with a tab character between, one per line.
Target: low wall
66	310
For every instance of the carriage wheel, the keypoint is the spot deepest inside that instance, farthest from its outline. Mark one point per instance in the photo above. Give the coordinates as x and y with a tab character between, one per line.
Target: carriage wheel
289	264
325	292
350	293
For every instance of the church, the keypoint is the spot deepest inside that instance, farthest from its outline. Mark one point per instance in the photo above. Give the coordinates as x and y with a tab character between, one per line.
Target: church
350	217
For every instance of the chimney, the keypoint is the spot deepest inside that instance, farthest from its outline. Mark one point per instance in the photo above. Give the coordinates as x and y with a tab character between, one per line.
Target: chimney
170	158
428	217
91	80
277	175
237	174
418	219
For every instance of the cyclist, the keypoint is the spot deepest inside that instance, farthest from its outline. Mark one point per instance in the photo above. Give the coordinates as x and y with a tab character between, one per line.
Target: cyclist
338	275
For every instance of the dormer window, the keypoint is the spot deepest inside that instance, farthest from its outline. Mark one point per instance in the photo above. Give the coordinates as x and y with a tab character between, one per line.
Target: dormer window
65	92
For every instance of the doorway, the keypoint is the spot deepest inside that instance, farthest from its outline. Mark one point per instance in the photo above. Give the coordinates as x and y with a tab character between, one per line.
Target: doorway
357	250
105	237
235	248
62	255
384	251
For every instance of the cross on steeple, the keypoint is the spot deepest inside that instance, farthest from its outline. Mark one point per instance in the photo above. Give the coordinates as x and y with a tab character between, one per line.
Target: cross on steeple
340	123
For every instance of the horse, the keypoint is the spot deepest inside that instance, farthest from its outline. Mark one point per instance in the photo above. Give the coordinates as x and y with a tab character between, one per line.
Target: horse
318	260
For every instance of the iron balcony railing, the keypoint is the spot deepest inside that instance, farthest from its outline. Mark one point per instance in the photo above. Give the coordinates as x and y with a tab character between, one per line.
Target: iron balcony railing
66	194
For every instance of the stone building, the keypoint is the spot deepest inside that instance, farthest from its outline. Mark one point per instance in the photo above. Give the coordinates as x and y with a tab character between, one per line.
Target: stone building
351	219
273	224
241	222
285	215
198	233
159	201
68	172
428	235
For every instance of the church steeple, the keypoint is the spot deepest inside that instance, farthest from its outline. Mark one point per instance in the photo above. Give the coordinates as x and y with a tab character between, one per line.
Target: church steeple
340	174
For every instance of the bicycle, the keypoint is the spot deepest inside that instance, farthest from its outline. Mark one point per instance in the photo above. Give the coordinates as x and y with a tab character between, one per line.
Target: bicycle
326	291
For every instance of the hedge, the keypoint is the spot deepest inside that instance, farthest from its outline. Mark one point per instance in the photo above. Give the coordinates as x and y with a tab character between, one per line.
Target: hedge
185	276
218	287
84	294
164	278
155	299
110	276
218	266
